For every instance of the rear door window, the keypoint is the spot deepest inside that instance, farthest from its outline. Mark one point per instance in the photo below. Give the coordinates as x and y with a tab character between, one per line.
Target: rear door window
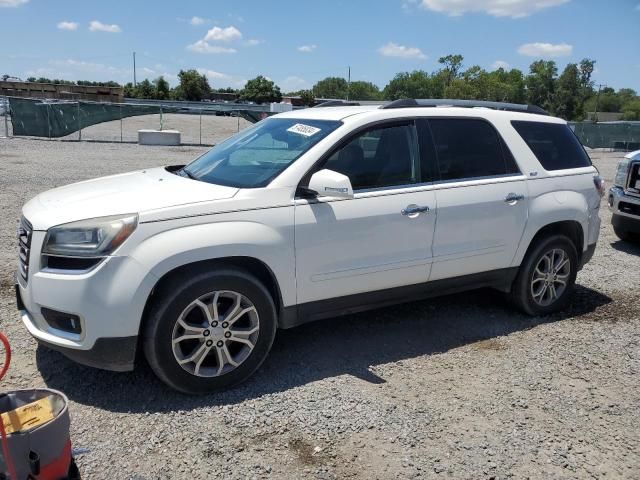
469	148
554	144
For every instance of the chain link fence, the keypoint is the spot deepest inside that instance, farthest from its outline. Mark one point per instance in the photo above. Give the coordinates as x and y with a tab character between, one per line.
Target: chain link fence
200	123
5	130
622	136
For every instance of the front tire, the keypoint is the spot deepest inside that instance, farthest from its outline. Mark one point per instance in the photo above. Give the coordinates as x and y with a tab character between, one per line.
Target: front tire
547	276
624	235
209	331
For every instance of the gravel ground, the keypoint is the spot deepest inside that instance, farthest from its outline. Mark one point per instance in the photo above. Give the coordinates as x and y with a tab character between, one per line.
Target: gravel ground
457	387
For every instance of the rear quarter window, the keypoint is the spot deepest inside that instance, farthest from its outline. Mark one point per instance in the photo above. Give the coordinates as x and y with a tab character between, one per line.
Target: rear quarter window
555	146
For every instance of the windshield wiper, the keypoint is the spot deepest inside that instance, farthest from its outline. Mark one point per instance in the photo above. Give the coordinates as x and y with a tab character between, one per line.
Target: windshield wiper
186	172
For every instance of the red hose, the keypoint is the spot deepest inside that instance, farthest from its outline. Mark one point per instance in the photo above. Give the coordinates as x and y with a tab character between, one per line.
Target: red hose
3	433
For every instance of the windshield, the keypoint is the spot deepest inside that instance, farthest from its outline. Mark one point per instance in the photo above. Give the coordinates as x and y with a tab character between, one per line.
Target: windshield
255	156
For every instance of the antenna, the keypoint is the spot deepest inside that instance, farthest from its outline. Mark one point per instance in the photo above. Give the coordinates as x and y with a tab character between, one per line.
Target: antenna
348	82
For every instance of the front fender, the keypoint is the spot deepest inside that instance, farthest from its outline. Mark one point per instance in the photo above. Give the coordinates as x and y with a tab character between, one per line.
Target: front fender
553	207
169	248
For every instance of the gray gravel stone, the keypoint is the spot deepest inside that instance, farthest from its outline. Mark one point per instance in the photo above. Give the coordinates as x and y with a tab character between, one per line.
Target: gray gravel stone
456	387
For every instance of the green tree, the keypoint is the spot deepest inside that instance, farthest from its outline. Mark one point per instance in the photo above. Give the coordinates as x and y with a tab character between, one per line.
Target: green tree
541	83
227	90
451	66
331	87
129	91
162	88
631	111
568	94
193	86
145	89
360	90
416	84
307	98
261	90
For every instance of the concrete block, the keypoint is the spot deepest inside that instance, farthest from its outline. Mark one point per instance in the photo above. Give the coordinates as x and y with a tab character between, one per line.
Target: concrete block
158	137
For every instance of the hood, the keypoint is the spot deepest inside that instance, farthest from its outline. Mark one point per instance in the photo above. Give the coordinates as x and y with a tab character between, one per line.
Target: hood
134	192
633	155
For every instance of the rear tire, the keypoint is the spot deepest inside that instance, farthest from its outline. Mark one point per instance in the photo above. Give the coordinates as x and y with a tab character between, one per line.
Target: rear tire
209	331
546	277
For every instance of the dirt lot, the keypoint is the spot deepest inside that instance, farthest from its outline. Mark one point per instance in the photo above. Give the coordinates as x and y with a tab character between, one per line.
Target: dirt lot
457	387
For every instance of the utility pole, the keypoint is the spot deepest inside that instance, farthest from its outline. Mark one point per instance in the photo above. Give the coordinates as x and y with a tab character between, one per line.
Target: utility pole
595	114
349	82
134	69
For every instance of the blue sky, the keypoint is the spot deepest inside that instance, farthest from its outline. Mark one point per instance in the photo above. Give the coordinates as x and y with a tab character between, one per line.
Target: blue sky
296	43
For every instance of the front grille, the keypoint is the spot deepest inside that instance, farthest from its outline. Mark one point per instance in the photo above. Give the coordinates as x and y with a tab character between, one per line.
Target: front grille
633	181
25	231
630	208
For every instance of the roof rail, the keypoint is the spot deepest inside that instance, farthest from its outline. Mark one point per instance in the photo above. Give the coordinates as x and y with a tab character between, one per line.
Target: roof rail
337	103
445	102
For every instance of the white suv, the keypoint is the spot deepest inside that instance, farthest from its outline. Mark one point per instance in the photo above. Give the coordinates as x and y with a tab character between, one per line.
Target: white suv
306	215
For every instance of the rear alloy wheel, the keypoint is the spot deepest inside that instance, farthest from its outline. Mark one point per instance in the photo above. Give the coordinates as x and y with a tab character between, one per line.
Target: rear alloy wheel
546	277
550	277
210	331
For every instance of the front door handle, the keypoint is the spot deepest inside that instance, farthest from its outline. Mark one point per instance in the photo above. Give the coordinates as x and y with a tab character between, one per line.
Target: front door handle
412	210
513	198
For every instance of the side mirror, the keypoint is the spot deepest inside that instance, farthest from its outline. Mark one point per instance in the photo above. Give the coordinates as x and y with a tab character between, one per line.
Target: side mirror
328	183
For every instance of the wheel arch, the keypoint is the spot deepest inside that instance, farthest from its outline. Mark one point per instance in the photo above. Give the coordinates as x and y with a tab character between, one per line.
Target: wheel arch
571	229
250	265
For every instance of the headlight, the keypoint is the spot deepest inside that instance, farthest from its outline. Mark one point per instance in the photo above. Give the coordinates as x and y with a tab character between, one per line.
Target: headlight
622	170
96	237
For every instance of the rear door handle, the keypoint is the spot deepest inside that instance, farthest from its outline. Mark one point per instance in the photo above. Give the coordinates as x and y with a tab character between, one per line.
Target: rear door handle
414	210
513	198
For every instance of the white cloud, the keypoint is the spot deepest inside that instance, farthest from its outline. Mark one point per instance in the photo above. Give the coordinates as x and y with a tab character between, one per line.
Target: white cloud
96	26
539	49
496	8
392	49
500	64
202	46
222	79
217	34
71	26
12	3
294	83
307	48
197	21
228	34
253	42
72	69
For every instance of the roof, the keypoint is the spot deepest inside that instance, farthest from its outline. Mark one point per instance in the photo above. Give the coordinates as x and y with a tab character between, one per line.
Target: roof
340	113
327	113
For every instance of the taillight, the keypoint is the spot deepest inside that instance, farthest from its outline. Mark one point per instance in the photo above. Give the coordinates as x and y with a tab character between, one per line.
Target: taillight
598	181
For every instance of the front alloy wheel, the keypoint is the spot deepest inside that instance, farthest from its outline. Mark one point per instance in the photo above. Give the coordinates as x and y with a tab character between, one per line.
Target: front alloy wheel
215	333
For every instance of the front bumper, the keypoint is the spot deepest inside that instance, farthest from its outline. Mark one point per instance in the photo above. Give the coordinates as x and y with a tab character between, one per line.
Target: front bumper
108	301
112	353
625	209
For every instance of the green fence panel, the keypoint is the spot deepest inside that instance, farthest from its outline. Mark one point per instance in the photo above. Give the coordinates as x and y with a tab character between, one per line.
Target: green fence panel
617	135
34	117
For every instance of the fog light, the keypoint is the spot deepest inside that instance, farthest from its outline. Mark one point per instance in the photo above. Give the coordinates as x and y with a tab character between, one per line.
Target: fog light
62	321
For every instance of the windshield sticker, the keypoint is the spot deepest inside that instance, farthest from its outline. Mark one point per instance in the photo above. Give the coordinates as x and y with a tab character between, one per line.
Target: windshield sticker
306	130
